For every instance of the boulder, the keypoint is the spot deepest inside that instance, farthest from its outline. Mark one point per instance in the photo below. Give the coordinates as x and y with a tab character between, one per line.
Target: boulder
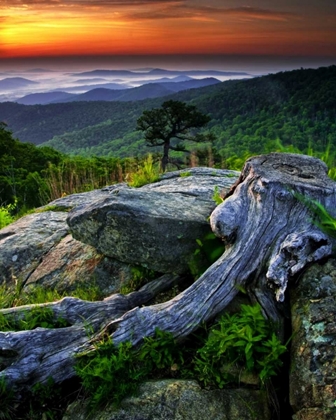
313	356
71	264
70	201
24	243
200	182
155	226
38	249
181	400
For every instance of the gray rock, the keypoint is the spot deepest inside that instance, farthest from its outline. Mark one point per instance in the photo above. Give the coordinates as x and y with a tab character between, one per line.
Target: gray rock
181	400
23	243
200	182
70	201
71	264
38	250
156	225
313	357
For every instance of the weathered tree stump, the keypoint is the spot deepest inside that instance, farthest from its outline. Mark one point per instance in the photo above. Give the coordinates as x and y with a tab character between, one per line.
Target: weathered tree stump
270	236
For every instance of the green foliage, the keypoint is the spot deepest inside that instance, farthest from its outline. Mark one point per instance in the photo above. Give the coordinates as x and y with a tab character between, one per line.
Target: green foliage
160	352
247	116
31	319
185	174
147	173
18	296
324	220
45	401
52	207
218	199
21	166
210	248
110	373
171	126
244	340
140	276
5	215
6	401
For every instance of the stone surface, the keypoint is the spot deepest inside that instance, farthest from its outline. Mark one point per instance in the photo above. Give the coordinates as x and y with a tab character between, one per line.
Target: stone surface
70	201
71	264
181	400
313	356
155	226
24	243
38	250
198	182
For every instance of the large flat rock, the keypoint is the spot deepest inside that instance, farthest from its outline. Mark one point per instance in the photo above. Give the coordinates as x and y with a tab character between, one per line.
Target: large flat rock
155	226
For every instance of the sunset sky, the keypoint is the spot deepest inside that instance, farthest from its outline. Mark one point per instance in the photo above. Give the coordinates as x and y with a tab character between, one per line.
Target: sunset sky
59	30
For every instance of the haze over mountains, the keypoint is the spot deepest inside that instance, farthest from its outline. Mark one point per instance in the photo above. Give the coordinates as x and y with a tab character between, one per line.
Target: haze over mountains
109	93
12	83
46	83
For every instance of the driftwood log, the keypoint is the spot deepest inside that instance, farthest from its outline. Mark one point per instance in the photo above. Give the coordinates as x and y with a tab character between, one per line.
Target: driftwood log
270	236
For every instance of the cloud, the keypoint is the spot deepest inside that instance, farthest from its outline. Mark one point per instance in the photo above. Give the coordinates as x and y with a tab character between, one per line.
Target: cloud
154	9
183	10
83	3
247	12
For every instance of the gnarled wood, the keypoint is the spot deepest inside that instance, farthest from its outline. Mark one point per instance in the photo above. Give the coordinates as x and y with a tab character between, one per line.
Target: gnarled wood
270	237
28	357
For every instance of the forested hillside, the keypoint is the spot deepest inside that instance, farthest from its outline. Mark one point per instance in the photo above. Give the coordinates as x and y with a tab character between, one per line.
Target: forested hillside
296	108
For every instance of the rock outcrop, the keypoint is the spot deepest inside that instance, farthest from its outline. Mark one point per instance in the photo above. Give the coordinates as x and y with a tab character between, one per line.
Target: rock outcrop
313	354
181	400
155	226
39	249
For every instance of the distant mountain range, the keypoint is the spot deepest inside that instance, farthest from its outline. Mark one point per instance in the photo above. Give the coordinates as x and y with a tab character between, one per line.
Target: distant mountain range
81	88
158	72
12	83
145	91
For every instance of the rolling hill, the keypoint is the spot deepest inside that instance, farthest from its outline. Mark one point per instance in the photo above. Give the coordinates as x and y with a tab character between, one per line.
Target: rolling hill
44	98
12	83
150	90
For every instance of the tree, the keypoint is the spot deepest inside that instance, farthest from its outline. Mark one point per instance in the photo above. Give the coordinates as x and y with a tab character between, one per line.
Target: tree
171	125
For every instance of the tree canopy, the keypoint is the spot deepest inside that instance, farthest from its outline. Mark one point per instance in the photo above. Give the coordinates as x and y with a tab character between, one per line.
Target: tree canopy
171	125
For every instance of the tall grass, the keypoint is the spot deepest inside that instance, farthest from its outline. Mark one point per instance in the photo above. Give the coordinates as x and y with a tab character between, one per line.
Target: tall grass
146	173
6	214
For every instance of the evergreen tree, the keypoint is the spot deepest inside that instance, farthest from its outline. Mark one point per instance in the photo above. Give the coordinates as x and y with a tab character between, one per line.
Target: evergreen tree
171	125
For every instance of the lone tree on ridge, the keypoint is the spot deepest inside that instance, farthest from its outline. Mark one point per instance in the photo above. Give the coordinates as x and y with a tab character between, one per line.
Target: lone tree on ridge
171	125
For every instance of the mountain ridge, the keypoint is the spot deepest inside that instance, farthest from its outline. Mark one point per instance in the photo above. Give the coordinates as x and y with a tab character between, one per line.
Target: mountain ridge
296	109
145	91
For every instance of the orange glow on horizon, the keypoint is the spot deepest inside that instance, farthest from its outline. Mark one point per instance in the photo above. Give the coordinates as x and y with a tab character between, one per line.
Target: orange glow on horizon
157	28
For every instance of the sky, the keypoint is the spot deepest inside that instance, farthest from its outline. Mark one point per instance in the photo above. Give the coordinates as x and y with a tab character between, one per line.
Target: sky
215	33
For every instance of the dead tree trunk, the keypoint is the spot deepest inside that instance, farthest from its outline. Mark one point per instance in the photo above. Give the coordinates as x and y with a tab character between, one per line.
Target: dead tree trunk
270	237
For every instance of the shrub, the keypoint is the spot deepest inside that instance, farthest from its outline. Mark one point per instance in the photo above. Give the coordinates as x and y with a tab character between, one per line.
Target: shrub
245	340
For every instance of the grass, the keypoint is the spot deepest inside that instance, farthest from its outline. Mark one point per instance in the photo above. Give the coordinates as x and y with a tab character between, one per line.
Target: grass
6	217
147	173
17	296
